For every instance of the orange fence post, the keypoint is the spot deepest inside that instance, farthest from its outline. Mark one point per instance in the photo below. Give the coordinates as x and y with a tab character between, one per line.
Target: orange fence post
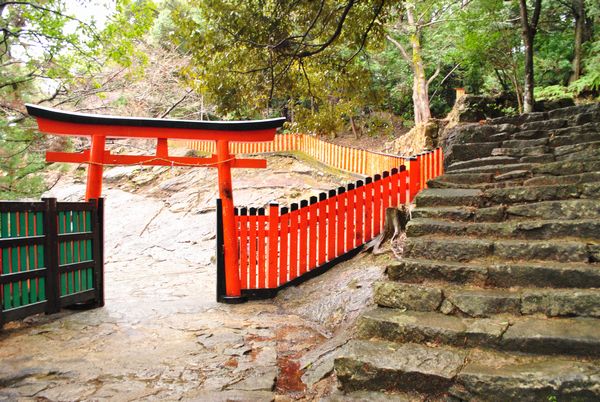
312	243
395	188
284	221
273	243
377	187
322	228
414	181
331	237
368	218
303	229
341	220
252	233
403	174
262	239
360	201
386	182
293	241
350	213
243	247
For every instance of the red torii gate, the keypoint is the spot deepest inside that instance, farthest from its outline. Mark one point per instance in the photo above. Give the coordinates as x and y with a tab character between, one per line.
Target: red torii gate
100	127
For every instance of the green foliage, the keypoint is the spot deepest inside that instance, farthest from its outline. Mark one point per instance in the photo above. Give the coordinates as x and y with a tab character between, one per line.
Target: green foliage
46	54
19	163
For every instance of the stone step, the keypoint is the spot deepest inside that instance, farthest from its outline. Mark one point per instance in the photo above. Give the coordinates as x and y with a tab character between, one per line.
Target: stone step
591	152
565	209
386	366
496	169
587	133
589	177
556	210
550	124
525	144
472	374
566	336
541	177
479	162
564	168
497	274
446	197
569	112
543	158
521	151
469	151
513	229
485	302
520	195
468	214
467	249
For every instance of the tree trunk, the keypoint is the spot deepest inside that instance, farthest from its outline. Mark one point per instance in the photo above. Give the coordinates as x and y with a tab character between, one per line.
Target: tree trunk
528	30
579	13
420	85
528	100
394	223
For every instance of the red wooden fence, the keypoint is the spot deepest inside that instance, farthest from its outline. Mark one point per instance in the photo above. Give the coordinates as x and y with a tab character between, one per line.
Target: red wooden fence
350	159
283	246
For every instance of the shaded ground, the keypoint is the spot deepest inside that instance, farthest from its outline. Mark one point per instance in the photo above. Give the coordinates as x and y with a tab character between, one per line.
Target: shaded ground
161	335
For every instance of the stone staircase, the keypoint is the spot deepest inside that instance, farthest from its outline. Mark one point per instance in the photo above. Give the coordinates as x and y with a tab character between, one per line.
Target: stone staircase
498	294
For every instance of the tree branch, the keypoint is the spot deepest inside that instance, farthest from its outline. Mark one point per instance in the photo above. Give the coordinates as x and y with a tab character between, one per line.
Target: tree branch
400	47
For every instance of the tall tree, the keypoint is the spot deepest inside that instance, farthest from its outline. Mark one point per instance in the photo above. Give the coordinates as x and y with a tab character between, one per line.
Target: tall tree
412	21
528	31
46	53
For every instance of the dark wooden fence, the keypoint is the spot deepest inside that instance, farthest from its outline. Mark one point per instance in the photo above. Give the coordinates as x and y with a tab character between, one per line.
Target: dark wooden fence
51	254
279	247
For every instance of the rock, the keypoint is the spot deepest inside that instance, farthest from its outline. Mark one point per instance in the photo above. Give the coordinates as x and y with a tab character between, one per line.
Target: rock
417	270
564	251
427	327
566	209
468	151
544	124
569	302
484	303
548	274
574	336
484	161
445	197
407	296
528	381
389	366
448	249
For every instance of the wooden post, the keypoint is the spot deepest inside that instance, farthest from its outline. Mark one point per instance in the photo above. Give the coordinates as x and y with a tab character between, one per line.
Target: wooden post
273	243
414	178
51	257
232	277
94	179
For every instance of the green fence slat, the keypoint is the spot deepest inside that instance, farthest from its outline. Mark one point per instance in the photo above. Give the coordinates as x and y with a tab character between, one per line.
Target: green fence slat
4	233
77	258
88	249
41	262
62	252
25	290
14	261
33	283
71	275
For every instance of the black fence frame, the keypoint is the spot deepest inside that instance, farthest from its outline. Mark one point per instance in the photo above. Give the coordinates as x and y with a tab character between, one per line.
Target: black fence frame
53	269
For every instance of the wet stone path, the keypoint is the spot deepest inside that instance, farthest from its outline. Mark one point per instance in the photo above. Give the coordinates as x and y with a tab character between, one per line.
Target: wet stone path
161	335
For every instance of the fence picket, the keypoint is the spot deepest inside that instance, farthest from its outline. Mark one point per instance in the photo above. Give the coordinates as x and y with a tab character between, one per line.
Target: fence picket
293	266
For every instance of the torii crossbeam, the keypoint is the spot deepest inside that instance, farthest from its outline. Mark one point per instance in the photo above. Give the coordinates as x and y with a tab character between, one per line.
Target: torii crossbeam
101	127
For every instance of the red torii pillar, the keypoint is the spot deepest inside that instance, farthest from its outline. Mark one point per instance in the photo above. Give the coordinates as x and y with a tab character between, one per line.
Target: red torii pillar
100	127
